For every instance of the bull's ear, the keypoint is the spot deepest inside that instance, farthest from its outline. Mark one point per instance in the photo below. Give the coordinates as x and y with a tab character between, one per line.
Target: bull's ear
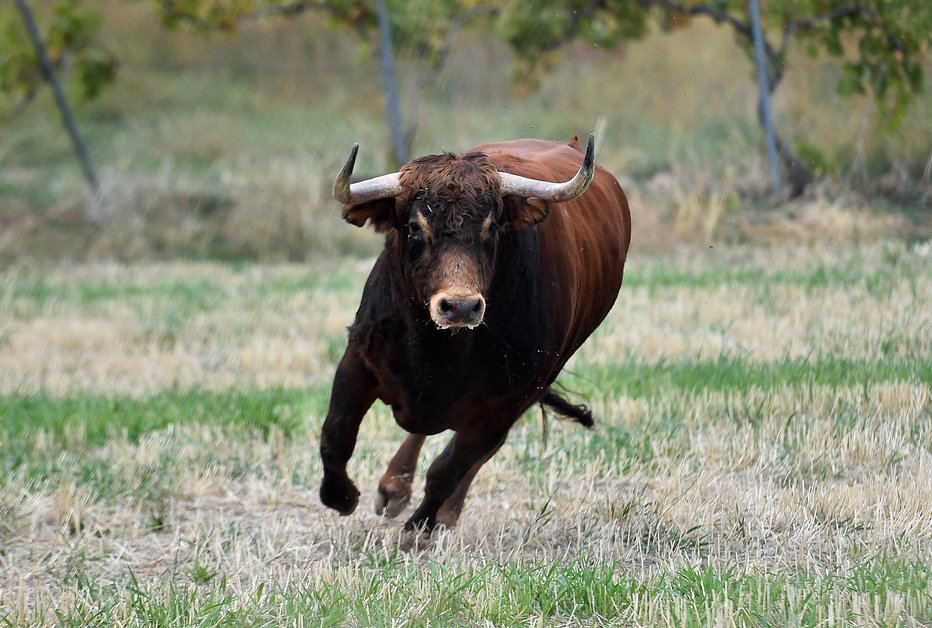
518	213
379	213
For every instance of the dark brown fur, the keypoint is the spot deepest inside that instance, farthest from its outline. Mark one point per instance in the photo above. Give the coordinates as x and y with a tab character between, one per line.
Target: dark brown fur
469	183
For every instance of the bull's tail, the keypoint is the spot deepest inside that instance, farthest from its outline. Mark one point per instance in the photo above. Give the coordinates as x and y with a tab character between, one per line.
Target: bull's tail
579	413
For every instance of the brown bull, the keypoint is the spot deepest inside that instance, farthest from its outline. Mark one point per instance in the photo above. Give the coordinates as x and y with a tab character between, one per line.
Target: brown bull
491	277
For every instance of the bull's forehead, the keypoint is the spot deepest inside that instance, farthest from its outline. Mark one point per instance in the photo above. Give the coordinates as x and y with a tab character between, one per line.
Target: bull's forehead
451	194
449	178
464	216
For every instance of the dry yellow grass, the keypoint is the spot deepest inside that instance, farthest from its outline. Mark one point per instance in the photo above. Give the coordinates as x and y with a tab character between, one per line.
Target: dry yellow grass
778	479
287	338
730	501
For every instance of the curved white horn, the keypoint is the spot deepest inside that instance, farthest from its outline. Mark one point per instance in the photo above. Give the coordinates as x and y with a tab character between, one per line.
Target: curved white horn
554	192
386	186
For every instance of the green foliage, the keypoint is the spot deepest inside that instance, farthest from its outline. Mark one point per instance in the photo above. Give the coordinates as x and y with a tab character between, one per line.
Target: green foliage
536	30
70	34
816	160
419	27
883	43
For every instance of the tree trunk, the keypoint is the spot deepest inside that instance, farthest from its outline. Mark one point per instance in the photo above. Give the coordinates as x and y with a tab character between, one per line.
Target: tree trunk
400	150
763	85
48	71
798	175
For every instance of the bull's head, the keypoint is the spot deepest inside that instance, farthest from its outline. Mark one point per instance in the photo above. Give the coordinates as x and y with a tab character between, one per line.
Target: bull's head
444	216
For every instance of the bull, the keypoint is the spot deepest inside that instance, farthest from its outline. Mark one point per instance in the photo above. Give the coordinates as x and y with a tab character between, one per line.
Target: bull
497	265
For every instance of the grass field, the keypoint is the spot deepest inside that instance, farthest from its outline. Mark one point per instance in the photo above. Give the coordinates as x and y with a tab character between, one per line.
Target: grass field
763	448
762	456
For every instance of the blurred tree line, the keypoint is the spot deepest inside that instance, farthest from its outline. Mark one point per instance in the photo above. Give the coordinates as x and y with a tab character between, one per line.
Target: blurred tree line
883	43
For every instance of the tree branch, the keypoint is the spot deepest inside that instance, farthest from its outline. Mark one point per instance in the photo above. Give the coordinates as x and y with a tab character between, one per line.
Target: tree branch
569	33
430	75
717	15
284	10
723	17
456	22
171	11
25	101
50	76
809	22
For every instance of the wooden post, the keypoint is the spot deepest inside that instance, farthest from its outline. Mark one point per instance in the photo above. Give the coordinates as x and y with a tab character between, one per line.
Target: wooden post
48	71
764	95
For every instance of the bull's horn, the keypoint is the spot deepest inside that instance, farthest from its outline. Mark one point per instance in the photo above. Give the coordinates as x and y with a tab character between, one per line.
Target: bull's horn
554	192
386	186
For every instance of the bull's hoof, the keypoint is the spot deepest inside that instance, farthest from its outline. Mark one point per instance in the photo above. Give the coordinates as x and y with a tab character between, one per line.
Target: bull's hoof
339	493
421	522
393	495
447	519
418	526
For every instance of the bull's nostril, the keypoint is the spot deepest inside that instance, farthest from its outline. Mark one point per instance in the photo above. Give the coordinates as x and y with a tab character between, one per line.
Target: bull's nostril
460	311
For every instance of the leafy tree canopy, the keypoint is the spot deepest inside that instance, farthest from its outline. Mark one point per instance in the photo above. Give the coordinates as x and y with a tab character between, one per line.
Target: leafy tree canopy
419	27
883	42
70	33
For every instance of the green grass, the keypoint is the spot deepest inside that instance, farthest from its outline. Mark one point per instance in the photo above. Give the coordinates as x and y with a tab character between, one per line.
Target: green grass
100	417
636	379
818	276
41	292
80	423
78	427
581	592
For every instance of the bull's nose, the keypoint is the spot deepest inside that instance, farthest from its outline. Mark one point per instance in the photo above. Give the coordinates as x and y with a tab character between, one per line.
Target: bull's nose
453	310
463	311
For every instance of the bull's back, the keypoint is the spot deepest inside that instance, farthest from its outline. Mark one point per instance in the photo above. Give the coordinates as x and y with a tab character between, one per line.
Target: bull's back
583	242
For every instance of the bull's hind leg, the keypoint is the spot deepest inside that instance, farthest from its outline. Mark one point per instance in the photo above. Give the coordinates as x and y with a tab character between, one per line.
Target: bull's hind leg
353	394
464	452
394	490
449	513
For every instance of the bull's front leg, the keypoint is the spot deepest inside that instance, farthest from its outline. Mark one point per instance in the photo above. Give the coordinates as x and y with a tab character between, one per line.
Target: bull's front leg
463	453
354	391
394	490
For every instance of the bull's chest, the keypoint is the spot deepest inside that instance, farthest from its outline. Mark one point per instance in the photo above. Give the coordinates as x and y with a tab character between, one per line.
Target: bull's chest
429	403
447	387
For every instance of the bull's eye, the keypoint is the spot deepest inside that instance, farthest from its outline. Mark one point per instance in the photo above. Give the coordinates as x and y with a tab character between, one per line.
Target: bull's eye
415	243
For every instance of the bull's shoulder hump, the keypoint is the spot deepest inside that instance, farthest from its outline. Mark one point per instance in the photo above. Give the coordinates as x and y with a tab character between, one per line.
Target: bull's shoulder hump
540	159
529	148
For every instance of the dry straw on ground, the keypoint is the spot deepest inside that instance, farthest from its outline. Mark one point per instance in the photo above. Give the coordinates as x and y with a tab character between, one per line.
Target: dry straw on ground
784	479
